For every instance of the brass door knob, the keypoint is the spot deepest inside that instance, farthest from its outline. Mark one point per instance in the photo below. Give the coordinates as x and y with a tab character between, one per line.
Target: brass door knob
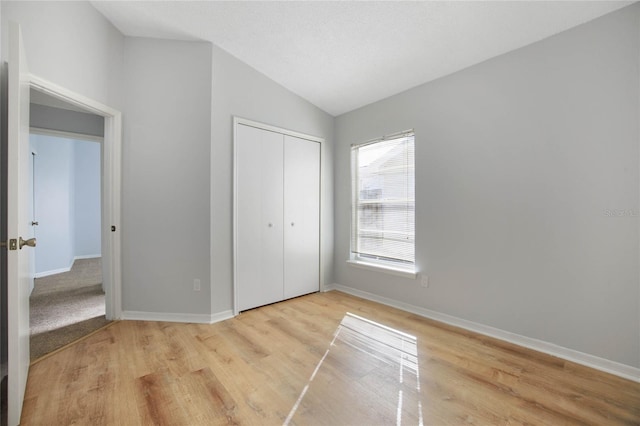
31	242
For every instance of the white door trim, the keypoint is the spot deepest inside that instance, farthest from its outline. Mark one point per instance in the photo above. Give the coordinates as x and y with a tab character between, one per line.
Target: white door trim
237	121
258	125
65	135
111	187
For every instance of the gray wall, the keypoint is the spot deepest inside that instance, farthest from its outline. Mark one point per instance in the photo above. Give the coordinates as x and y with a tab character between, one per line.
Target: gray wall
177	174
242	91
526	190
165	176
50	118
522	163
70	44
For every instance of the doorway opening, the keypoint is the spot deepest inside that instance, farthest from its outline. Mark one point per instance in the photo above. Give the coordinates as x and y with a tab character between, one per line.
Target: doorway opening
74	214
67	300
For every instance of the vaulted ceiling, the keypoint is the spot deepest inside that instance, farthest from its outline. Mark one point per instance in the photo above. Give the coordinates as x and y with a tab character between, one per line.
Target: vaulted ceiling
342	55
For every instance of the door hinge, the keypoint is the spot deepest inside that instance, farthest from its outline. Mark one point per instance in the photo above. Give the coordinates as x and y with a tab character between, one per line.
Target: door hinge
13	244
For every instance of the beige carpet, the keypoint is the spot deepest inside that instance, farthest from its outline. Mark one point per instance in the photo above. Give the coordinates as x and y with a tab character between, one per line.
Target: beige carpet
67	306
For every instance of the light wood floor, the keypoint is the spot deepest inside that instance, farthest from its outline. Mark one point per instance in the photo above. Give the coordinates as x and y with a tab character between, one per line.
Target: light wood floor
306	362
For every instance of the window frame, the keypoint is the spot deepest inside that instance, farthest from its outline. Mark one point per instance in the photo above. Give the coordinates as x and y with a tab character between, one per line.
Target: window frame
377	263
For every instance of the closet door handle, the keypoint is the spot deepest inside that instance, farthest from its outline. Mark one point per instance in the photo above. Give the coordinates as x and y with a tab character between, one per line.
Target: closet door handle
270	225
292	224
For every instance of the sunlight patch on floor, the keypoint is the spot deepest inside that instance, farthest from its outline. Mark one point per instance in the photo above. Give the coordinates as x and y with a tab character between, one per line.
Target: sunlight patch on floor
365	363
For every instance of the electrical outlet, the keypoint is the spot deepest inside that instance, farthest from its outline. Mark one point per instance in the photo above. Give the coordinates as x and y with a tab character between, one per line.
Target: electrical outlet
424	281
196	285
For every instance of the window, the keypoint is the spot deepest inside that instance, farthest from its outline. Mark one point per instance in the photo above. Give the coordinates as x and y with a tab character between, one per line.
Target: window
383	217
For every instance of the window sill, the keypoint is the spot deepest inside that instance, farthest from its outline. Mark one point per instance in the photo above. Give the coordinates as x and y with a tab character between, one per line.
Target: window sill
387	269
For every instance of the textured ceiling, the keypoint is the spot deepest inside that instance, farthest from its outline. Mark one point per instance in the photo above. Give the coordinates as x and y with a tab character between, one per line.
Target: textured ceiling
346	54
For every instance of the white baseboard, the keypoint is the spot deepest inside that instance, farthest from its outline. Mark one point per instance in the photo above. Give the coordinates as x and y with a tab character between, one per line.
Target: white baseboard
602	364
63	270
170	317
52	272
87	256
221	316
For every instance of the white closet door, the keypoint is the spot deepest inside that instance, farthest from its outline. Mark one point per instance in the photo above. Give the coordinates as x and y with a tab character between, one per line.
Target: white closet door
302	216
259	244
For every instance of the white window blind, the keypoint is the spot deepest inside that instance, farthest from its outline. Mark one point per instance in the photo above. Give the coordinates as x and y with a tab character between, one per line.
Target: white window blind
383	221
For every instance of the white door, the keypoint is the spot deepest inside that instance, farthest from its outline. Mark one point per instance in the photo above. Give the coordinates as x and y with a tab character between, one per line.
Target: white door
19	280
302	216
259	216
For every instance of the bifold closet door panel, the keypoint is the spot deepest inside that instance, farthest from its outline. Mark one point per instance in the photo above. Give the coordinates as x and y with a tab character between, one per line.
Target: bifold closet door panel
301	217
259	195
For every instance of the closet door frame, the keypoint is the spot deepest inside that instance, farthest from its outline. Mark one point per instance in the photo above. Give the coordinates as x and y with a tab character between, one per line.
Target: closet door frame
246	122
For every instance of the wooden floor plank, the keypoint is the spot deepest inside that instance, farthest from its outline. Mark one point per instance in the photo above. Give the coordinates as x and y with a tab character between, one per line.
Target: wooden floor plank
295	362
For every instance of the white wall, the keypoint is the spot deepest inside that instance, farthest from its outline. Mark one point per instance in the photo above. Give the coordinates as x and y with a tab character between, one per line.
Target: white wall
165	182
67	202
87	205
519	162
242	91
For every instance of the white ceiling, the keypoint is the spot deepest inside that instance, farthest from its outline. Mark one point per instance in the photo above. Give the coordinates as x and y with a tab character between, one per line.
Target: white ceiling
346	54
